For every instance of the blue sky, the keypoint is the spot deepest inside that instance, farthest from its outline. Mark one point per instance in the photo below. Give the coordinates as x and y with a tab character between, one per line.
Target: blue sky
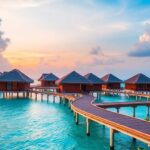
59	36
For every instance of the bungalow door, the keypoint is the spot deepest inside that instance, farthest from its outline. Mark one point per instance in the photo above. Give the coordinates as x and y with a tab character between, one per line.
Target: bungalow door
83	87
9	86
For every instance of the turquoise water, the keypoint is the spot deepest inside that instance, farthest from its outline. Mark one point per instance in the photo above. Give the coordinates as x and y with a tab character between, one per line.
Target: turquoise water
35	125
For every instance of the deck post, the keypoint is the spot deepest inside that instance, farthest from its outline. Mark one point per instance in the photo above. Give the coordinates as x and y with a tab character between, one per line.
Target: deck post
6	94
3	95
76	118
53	99
41	97
118	108
36	96
47	97
111	139
27	94
69	104
64	101
23	94
30	94
136	98
74	114
87	127
134	111
147	114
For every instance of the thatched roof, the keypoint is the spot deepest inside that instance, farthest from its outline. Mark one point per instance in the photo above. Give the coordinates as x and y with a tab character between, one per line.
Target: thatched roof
48	77
139	79
15	76
93	78
110	78
73	77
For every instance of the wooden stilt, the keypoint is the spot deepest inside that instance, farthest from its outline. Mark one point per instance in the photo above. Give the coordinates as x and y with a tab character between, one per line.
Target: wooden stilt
69	106
47	97
64	101
100	94
134	111
77	119
41	97
53	99
118	109
87	127
30	94
147	113
3	95
74	114
36	96
111	139
27	94
23	94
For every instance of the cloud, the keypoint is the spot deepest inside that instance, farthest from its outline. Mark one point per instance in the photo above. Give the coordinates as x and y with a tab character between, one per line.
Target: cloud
142	48
98	57
4	64
96	51
3	41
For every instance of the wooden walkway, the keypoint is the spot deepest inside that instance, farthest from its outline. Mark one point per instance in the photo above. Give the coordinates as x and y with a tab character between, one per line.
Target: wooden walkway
123	104
136	128
128	93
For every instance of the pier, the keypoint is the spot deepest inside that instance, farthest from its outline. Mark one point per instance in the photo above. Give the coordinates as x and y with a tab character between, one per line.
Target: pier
136	128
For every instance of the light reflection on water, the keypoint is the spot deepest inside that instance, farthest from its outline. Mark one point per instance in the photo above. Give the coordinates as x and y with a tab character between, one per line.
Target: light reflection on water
28	124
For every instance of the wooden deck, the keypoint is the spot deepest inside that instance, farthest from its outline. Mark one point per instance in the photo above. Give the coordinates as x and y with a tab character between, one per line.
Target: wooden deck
133	127
123	104
129	93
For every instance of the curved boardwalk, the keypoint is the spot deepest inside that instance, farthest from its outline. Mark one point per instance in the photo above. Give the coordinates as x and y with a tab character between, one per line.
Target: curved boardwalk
133	127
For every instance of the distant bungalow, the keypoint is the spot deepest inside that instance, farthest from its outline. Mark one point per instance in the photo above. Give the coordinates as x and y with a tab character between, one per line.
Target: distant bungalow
72	83
111	82
48	80
14	81
139	82
96	83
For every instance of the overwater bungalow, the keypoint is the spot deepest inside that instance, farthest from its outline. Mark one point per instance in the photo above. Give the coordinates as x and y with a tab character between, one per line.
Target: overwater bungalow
139	82
111	82
72	83
96	83
14	81
48	80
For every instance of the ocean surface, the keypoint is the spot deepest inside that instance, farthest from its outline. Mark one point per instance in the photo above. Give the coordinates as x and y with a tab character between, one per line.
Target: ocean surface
26	124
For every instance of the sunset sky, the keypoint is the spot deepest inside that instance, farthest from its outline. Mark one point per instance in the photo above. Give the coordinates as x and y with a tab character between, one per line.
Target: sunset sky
99	36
